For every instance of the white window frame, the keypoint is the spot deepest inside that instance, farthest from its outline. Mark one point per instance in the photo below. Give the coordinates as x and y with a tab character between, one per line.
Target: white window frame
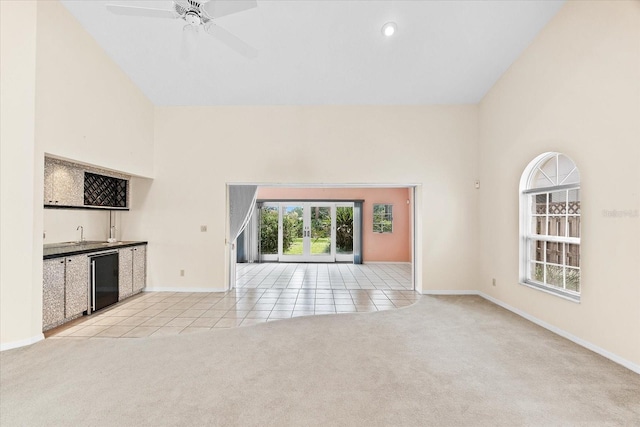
528	192
388	215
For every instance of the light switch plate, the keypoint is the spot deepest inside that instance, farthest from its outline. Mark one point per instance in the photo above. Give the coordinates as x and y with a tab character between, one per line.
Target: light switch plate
203	228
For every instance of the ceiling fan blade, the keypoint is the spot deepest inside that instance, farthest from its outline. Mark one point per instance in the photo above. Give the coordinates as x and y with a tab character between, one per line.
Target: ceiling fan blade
218	8
230	40
141	11
189	41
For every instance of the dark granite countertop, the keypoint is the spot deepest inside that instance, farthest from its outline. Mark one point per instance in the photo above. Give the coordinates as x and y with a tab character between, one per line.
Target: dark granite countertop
56	250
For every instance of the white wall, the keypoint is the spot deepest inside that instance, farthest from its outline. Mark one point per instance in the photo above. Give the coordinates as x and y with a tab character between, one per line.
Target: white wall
88	109
575	90
61	94
61	225
200	149
20	271
137	224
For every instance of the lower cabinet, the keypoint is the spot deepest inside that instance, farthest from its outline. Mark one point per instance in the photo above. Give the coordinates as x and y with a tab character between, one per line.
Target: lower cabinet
53	293
132	270
76	298
66	283
139	268
65	289
125	273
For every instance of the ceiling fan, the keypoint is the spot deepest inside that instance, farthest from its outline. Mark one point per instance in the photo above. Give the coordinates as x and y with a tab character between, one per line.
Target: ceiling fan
198	13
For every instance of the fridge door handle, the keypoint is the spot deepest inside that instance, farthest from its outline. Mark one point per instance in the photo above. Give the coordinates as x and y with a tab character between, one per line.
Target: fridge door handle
93	285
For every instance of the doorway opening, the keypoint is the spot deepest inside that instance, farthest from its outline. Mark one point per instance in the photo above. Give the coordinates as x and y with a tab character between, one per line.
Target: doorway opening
298	225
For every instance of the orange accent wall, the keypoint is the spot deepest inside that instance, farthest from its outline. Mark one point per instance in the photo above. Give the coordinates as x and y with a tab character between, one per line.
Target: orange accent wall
376	247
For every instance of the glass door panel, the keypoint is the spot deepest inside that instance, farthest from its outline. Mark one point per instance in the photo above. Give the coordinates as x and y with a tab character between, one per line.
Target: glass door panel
306	232
344	230
293	231
320	220
268	230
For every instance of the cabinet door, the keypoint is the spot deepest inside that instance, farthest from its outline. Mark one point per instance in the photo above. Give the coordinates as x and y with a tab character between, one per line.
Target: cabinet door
76	285
48	183
68	186
125	273
52	293
139	267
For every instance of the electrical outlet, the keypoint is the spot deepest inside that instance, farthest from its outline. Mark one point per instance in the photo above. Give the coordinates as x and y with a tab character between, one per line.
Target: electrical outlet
494	282
181	272
203	228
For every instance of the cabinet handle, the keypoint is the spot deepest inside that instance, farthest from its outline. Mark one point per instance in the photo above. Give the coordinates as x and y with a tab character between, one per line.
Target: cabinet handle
93	286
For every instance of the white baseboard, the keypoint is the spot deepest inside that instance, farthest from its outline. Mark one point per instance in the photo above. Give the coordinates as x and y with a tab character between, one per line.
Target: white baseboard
586	344
21	343
448	292
583	343
180	289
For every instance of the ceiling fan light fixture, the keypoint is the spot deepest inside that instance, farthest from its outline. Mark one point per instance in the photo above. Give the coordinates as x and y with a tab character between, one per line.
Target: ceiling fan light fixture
389	29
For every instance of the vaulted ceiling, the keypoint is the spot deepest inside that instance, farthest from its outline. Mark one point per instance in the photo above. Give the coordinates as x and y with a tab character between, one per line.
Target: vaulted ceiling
322	52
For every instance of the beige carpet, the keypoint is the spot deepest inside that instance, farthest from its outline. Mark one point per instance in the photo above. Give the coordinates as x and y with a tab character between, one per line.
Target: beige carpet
445	361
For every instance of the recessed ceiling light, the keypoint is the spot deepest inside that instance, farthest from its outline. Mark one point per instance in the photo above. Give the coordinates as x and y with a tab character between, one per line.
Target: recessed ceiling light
389	29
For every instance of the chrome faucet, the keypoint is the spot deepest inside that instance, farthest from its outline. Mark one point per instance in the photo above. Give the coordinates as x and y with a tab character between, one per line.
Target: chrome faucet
112	232
81	233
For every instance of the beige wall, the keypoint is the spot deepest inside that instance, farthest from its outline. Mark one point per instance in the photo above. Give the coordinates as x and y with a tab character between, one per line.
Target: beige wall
88	109
200	149
575	90
73	102
61	225
376	247
20	271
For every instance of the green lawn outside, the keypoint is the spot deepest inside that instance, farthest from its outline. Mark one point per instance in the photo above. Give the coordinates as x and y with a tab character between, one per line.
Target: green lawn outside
318	246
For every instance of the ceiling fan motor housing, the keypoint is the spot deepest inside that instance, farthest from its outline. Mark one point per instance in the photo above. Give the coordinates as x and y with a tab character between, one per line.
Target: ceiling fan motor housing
192	18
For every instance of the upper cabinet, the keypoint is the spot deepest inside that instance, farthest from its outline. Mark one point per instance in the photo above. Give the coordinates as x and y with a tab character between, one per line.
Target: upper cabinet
62	185
70	185
101	191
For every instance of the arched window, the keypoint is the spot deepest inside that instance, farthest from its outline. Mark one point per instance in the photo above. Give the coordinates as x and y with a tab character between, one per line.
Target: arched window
550	225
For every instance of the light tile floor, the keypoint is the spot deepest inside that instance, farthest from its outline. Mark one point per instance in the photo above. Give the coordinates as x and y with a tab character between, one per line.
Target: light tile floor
324	276
264	292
